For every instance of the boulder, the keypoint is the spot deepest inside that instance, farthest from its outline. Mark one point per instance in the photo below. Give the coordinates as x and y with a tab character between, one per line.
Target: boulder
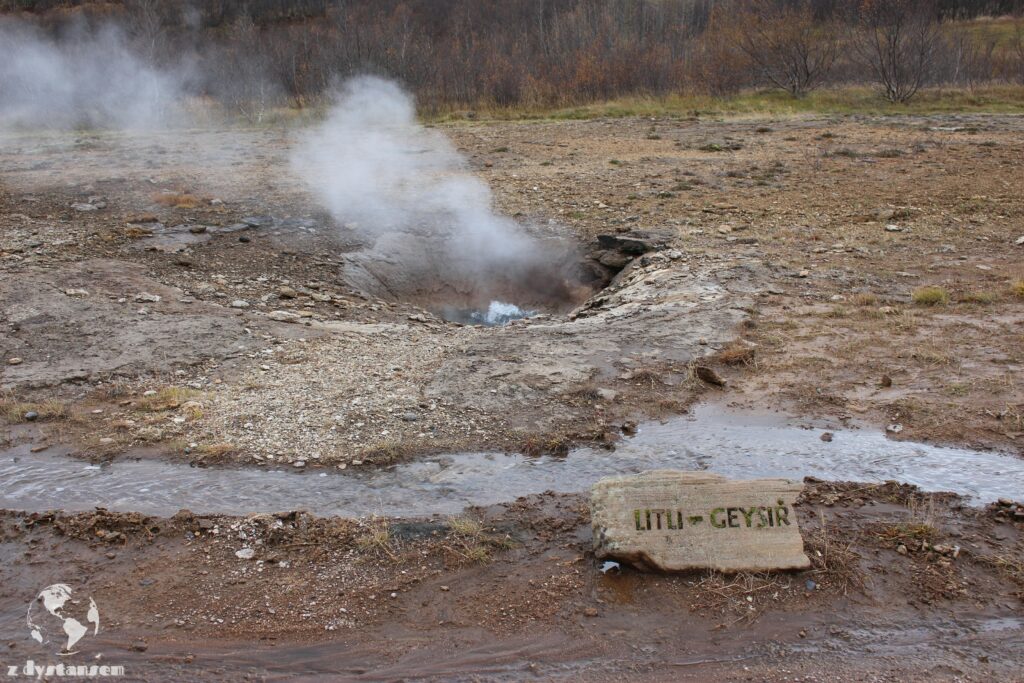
668	520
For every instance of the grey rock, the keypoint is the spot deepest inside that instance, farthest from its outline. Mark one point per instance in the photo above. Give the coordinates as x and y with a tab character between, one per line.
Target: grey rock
284	316
634	245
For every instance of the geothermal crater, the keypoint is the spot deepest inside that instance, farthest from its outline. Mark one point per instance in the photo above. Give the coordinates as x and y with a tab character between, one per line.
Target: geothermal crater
555	278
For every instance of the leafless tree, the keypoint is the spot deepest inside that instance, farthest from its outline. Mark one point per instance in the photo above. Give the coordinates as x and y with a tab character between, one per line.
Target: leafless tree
896	41
788	47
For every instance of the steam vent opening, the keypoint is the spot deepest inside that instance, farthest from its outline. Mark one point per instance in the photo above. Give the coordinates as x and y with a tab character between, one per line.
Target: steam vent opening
554	279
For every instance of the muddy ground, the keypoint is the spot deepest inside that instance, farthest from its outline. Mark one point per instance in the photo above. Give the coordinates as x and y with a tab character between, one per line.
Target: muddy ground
904	586
180	295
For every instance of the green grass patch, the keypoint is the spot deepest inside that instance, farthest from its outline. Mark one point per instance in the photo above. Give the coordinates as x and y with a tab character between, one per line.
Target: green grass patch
843	100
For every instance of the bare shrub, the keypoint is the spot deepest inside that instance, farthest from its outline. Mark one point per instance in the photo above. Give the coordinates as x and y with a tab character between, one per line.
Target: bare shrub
788	46
718	64
896	40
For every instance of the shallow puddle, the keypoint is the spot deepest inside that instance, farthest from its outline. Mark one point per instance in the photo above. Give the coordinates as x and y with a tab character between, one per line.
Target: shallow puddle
735	444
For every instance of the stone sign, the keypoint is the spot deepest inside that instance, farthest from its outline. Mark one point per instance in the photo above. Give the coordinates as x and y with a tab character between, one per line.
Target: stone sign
670	520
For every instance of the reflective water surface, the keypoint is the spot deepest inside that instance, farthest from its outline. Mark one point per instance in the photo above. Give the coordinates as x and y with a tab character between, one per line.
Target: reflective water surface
731	443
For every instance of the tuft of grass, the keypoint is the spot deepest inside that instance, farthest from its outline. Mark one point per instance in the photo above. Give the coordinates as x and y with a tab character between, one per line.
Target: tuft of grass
647	376
865	299
177	200
837	312
983	298
168	398
375	536
736	354
14	411
465	526
1006	564
136	231
387	452
470	541
1018	289
500	150
905	532
217	450
930	296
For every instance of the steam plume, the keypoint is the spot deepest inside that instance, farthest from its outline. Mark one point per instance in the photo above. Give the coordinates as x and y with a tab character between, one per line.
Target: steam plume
370	162
86	79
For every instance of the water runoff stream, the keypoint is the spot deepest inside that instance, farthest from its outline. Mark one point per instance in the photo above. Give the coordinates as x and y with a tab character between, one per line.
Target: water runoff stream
734	444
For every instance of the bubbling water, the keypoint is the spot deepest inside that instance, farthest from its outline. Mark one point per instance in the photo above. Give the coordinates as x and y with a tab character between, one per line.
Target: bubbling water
500	313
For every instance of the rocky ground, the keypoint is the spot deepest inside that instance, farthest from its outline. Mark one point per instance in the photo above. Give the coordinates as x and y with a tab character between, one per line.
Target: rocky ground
180	295
193	266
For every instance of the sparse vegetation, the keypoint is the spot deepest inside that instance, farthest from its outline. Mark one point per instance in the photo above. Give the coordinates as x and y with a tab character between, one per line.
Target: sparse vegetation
471	542
15	411
930	296
177	200
374	536
983	298
167	398
865	299
737	354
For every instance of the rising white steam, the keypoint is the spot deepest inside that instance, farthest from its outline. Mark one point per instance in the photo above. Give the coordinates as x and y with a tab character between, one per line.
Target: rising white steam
373	165
85	79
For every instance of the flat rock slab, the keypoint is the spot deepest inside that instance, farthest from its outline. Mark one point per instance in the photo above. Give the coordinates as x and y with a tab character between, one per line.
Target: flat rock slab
671	521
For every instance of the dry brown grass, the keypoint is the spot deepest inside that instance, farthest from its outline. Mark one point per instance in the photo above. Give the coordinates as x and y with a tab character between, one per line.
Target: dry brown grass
1018	289
374	536
14	411
930	296
469	541
1010	566
177	200
833	559
736	354
217	450
647	376
135	231
982	298
387	452
168	398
